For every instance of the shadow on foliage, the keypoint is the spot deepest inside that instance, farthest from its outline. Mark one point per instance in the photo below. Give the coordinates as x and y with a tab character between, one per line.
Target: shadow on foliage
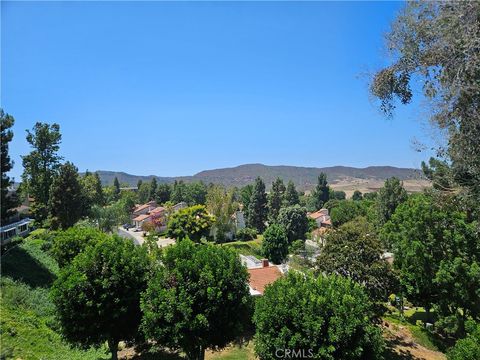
18	264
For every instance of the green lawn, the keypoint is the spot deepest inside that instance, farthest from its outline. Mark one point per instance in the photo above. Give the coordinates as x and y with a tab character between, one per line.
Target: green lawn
253	247
28	326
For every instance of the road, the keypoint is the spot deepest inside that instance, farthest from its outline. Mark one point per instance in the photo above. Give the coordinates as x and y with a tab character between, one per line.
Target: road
138	239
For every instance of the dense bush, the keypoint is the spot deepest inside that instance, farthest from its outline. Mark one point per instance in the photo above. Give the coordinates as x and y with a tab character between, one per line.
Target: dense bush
246	234
275	244
295	222
322	318
467	348
71	242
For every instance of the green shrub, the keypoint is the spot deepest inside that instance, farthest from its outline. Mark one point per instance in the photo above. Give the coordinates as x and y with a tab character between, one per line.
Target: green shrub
246	234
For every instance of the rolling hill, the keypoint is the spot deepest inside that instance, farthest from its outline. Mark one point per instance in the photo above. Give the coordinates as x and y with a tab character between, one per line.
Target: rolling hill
304	177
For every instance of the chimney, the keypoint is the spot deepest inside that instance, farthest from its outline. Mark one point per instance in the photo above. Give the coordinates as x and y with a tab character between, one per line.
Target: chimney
264	263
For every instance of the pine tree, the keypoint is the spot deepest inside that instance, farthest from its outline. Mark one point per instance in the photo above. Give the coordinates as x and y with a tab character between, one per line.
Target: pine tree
291	195
153	189
321	194
257	210
275	199
116	186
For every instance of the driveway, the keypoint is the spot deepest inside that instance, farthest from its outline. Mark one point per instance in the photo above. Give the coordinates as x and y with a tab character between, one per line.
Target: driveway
138	239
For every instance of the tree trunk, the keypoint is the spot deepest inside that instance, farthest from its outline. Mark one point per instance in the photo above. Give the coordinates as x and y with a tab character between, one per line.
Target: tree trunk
201	353
113	347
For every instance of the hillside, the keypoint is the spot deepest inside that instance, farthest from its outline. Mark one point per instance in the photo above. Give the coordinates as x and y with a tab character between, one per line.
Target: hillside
303	177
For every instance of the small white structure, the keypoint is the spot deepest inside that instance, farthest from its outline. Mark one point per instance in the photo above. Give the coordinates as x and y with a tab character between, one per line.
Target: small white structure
239	220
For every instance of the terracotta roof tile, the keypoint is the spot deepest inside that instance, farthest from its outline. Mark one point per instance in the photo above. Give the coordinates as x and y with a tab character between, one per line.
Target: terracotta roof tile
261	277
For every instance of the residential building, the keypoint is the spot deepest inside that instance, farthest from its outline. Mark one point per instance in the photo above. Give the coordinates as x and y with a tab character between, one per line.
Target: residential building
262	276
18	228
321	217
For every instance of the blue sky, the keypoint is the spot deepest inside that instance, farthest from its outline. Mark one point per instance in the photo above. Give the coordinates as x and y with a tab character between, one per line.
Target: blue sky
173	88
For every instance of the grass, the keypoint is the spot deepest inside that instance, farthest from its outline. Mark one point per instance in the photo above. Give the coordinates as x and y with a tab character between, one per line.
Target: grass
29	329
252	247
235	352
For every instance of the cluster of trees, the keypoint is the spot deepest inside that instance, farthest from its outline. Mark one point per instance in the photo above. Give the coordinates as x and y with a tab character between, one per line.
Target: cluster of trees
194	297
194	193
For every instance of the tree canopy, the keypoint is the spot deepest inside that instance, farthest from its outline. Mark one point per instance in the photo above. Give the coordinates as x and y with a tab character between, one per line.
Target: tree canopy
325	317
257	208
295	222
7	201
275	243
198	298
193	222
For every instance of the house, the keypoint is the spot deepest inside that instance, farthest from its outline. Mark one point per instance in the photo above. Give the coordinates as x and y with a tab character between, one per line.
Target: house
180	205
144	209
19	228
321	217
262	276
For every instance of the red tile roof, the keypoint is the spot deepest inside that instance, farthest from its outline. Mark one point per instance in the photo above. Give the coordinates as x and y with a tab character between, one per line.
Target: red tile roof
261	277
141	217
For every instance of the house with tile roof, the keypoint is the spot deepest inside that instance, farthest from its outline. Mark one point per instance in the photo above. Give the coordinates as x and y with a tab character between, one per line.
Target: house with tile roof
262	276
321	217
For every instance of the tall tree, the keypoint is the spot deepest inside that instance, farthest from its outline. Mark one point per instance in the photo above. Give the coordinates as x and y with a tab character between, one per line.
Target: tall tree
295	222
275	243
179	192
245	197
197	298
220	204
321	193
275	199
257	209
67	202
8	201
116	188
153	189
357	195
436	42
163	193
41	165
139	183
93	190
291	195
143	192
97	297
193	222
389	197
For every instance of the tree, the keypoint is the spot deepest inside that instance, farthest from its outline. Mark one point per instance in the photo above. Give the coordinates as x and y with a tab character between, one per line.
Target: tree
93	190
153	189
436	43
275	199
116	188
41	165
347	210
198	298
291	195
295	222
321	193
139	183
67	202
193	222
257	209
196	193
319	318
179	192
8	201
275	244
438	256
143	193
163	193
354	251
97	296
71	242
245	197
339	195
357	195
221	205
467	348
389	197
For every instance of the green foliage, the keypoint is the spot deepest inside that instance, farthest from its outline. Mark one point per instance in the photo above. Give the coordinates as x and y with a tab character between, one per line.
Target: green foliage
71	242
67	202
257	208
93	190
321	193
41	165
438	255
389	197
191	193
467	348
275	199
329	316
7	202
245	195
246	234
221	205
295	222
193	222
291	197
357	195
354	251
163	193
347	210
275	243
116	188
338	195
198	298
436	43
143	192
97	296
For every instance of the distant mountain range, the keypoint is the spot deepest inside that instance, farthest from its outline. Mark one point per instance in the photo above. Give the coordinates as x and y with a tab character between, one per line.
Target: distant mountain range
304	178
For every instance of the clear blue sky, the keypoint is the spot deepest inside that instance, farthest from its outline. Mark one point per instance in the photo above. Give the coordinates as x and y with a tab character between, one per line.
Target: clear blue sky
172	88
